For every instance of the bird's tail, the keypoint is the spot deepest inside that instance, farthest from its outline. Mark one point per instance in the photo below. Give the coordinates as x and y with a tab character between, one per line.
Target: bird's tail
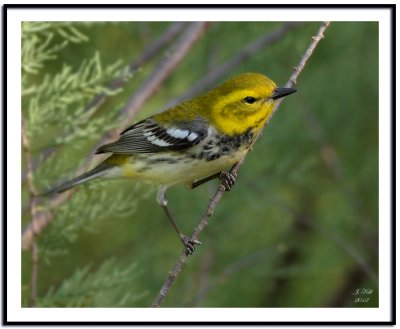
98	171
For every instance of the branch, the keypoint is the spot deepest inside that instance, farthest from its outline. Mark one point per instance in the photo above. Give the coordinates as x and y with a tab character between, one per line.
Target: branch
151	51
183	45
221	189
33	212
178	50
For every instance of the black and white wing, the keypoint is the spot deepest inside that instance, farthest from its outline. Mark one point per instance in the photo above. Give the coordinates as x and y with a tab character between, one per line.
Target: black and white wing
149	136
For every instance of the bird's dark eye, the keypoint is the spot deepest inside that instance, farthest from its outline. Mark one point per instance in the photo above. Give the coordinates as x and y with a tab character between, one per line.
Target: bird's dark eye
249	100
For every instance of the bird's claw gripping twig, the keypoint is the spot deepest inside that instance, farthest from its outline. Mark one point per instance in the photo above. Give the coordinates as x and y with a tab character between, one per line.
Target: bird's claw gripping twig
227	179
189	244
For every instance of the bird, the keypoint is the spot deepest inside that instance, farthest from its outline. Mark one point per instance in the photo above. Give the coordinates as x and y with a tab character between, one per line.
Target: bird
190	143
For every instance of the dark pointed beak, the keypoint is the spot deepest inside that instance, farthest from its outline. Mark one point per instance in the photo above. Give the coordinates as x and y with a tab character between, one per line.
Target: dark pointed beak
282	92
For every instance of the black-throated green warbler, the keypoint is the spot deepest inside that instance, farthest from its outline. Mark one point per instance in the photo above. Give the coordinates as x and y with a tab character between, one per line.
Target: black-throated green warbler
192	142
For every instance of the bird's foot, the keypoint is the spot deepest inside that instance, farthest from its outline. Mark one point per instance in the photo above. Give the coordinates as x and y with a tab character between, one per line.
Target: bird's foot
227	179
189	244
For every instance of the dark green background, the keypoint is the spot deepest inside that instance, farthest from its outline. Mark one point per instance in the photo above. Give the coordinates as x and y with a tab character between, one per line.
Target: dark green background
300	227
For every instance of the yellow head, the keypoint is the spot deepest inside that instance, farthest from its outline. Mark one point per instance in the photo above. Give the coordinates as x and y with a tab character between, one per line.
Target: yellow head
243	102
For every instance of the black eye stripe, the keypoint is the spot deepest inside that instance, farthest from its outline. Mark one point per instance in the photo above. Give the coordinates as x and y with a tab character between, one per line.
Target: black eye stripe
249	99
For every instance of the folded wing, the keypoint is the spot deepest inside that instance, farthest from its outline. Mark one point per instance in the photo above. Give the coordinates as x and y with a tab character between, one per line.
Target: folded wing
149	136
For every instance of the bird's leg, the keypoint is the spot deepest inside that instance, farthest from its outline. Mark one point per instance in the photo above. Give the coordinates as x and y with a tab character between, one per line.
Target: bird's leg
205	180
188	243
227	179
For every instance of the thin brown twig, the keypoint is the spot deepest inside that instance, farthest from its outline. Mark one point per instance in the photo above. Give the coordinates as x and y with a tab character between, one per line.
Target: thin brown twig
152	50
172	275
223	68
178	50
33	211
297	69
184	43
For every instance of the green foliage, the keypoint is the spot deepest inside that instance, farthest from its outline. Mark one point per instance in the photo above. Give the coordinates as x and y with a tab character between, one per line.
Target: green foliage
300	227
38	46
55	102
103	288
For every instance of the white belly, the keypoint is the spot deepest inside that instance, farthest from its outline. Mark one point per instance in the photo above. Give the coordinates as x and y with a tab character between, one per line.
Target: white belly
177	168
